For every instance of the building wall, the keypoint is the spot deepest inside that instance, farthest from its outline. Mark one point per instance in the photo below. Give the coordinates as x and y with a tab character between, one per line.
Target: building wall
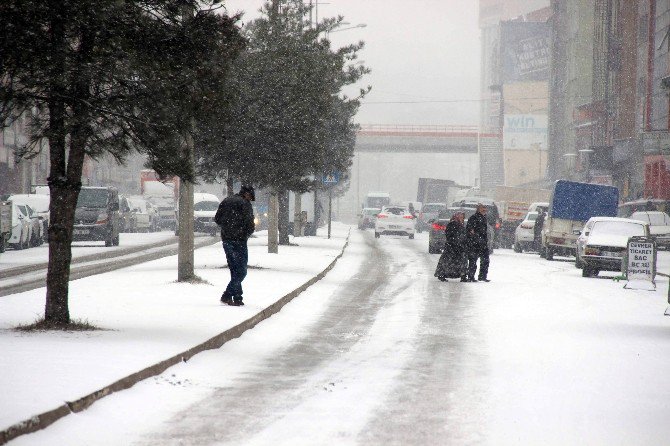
525	133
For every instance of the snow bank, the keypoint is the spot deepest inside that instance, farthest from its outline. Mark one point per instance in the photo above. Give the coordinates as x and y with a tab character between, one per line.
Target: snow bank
146	317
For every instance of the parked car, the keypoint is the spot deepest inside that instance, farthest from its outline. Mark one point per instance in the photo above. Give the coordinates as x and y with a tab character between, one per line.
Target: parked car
204	210
96	216
524	235
39	203
659	226
625	210
395	220
135	216
5	223
20	235
430	211
36	225
602	242
367	218
436	235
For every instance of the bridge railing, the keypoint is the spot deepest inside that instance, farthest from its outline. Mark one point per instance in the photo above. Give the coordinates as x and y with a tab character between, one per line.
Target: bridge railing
417	128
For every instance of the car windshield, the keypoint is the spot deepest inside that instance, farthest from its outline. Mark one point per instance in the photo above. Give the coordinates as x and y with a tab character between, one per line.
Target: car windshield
618	228
532	216
433	208
395	211
92	198
206	206
22	208
137	204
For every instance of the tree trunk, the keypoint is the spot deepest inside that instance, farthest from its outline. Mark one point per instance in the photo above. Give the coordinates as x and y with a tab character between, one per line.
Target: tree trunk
284	219
297	217
273	245
185	262
229	185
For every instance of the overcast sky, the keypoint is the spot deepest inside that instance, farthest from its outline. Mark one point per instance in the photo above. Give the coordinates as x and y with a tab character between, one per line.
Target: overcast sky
418	50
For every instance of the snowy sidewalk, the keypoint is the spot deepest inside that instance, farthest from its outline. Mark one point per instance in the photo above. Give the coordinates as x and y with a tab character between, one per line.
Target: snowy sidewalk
145	316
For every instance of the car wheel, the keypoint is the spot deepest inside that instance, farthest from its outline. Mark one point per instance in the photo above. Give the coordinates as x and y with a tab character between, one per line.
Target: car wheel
377	234
411	236
549	253
517	247
109	240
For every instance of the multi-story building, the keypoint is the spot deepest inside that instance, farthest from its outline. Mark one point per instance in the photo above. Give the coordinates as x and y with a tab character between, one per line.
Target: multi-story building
609	108
19	173
509	50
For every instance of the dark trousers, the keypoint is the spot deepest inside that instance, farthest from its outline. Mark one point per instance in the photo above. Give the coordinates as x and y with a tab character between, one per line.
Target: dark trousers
237	256
483	255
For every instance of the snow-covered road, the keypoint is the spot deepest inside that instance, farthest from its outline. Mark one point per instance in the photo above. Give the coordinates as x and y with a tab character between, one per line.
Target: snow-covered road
381	352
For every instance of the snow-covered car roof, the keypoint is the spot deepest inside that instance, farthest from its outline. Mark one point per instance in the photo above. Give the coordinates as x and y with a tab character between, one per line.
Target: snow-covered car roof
623	220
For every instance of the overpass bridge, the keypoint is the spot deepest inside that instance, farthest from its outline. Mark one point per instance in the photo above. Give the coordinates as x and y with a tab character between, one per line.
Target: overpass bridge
392	158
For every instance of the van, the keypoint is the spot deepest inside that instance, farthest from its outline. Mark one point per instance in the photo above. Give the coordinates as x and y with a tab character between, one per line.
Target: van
96	217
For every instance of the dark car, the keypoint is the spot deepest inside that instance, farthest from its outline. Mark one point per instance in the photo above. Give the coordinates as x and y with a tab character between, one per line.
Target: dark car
436	236
429	211
367	217
96	217
492	214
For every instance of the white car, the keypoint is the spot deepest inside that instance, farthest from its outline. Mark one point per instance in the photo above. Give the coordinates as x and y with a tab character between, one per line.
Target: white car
21	228
524	234
39	204
659	226
204	210
603	241
395	220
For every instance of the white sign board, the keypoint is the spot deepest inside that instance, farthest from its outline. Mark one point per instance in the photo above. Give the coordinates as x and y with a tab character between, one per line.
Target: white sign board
525	132
641	264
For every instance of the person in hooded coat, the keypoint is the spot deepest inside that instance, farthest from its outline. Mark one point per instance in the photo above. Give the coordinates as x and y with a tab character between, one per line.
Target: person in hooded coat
453	261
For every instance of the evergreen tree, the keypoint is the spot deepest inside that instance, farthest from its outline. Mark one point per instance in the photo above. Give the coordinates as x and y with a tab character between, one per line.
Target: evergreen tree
107	77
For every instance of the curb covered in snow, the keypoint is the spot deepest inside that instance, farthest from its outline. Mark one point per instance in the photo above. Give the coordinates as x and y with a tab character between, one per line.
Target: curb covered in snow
43	420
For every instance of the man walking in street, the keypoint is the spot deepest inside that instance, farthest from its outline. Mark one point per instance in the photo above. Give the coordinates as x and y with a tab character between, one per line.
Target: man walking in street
477	231
235	216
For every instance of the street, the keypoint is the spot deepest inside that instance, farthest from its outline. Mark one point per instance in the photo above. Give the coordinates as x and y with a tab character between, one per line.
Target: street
381	352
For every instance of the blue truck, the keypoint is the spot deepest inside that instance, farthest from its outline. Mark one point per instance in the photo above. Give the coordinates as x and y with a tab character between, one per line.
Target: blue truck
570	206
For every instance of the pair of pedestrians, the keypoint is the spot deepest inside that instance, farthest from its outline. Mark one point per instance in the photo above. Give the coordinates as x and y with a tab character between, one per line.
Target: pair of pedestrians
465	244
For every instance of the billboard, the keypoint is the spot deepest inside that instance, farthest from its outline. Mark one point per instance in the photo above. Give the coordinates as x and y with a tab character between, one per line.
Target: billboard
525	132
525	51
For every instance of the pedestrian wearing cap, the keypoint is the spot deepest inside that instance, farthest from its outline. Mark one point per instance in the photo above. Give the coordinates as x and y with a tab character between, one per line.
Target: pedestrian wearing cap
235	217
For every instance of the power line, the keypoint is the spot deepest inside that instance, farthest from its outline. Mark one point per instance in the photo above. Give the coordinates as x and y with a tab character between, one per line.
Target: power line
446	101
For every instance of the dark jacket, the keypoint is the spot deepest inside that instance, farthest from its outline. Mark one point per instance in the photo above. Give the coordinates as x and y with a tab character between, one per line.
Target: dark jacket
537	228
235	217
477	230
453	262
455	237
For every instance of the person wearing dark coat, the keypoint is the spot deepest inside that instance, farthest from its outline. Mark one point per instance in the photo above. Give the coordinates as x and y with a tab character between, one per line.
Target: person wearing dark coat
537	229
477	233
235	216
453	261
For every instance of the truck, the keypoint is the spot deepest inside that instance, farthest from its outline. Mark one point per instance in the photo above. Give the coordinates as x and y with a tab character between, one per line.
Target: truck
514	203
162	194
570	206
377	200
434	190
5	223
